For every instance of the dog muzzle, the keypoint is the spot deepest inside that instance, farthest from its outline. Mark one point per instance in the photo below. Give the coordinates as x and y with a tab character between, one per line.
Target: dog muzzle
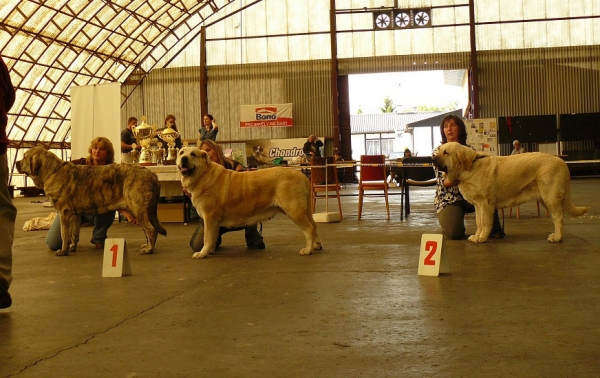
184	168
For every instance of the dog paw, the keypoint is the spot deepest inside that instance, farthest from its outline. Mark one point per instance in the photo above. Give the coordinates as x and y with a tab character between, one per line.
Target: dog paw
318	245
145	249
199	255
476	239
305	251
60	252
553	239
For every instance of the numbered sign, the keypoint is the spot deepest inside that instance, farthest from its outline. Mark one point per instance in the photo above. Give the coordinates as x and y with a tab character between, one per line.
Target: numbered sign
432	261
116	259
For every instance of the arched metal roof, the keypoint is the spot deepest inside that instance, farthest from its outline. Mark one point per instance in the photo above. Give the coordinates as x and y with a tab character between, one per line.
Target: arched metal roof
52	45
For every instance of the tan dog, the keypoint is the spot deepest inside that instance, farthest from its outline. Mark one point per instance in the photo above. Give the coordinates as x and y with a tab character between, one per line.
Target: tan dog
77	190
231	199
496	182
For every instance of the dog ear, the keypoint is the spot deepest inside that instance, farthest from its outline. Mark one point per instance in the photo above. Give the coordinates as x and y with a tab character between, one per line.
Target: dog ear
467	156
36	165
204	155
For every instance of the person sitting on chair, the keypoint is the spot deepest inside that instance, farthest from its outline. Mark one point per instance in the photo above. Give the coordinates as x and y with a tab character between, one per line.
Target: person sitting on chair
337	157
517	148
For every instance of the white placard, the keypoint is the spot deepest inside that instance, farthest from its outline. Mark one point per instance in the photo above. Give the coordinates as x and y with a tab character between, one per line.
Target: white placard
432	261
116	259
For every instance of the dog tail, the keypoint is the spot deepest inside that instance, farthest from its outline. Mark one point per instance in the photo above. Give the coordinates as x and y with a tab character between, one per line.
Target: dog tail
577	211
574	211
159	227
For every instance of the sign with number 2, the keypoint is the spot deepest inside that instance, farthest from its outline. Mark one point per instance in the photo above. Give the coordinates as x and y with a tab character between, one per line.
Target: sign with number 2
431	260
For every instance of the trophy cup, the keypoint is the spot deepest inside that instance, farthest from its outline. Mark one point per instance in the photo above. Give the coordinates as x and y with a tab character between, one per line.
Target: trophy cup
143	134
135	154
168	135
159	153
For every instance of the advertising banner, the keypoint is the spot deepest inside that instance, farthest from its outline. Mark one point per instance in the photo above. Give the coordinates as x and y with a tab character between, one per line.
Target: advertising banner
269	115
264	151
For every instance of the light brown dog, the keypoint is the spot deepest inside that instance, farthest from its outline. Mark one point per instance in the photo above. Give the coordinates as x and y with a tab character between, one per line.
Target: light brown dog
77	190
231	199
497	182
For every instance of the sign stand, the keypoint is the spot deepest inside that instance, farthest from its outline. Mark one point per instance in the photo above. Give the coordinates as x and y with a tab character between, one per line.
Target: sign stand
116	258
327	216
432	261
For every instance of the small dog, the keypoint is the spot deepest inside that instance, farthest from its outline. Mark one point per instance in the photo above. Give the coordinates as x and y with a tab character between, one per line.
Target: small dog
77	190
233	199
259	156
497	182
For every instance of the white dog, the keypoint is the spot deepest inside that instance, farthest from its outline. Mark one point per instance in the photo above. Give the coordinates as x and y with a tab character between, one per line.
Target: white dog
232	199
496	182
260	156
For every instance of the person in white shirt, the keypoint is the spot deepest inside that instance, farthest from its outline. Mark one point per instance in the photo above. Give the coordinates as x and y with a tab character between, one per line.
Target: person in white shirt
517	148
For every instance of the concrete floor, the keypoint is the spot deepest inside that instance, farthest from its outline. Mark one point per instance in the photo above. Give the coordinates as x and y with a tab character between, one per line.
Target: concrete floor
517	307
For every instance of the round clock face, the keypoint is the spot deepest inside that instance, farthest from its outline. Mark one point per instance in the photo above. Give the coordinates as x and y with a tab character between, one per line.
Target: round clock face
402	20
421	18
383	21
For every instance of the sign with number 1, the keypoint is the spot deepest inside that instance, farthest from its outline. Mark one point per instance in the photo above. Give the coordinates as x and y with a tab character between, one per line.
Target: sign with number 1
432	261
116	259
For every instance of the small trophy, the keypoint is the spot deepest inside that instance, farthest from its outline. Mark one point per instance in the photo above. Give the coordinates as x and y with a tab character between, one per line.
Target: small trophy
135	154
159	153
144	134
168	135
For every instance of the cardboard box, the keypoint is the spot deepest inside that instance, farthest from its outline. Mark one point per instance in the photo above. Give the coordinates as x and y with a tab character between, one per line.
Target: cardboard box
171	212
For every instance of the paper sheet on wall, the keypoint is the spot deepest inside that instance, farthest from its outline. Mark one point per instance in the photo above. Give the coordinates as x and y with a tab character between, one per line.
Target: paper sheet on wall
482	134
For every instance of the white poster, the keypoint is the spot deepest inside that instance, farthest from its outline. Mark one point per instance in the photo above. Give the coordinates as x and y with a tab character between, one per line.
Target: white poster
482	134
95	111
269	115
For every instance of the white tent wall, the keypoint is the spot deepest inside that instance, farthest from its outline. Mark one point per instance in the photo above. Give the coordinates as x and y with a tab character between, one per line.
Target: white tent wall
95	111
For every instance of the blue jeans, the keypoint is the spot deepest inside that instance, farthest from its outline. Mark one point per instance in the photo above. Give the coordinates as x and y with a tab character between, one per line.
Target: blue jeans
102	223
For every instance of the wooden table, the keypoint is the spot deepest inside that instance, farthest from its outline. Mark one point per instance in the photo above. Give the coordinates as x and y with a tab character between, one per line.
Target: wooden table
174	204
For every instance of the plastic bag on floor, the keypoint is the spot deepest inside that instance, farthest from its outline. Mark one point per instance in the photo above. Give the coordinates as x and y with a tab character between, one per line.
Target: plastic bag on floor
39	223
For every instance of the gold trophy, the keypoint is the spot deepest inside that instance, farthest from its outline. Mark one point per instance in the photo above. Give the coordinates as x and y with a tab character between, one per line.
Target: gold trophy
159	153
168	135
135	154
144	134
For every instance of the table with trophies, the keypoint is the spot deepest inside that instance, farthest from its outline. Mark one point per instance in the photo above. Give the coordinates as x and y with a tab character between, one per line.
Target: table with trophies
173	205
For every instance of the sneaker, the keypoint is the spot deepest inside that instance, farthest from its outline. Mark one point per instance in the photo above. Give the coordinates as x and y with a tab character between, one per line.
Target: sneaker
5	299
97	244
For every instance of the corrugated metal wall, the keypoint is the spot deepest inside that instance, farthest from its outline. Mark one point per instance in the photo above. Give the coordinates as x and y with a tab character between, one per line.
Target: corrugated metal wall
305	84
512	83
539	81
400	63
167	91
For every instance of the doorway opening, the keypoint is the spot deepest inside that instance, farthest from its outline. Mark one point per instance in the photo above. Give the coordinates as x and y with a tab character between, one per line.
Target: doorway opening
381	106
